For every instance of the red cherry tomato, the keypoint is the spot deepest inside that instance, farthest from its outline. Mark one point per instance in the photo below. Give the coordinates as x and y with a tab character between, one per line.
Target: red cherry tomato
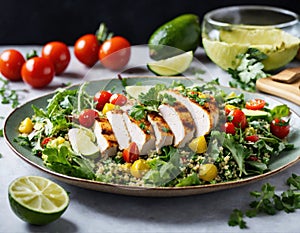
101	98
238	118
131	153
115	53
280	128
86	49
87	117
118	99
46	141
11	62
229	128
58	53
252	138
38	72
255	104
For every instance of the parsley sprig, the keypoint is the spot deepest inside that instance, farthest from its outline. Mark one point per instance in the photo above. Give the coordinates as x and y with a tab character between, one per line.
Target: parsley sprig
150	101
268	202
249	70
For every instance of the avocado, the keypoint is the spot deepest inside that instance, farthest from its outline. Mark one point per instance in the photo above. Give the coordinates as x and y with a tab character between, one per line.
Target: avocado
179	35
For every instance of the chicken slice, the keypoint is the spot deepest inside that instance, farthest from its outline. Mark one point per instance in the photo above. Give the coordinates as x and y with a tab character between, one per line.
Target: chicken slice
141	132
180	122
116	120
106	139
205	116
162	131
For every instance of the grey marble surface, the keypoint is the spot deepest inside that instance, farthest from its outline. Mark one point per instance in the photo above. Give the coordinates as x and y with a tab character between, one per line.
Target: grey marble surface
92	211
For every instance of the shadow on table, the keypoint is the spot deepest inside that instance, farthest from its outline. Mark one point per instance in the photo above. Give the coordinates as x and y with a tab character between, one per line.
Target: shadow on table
60	225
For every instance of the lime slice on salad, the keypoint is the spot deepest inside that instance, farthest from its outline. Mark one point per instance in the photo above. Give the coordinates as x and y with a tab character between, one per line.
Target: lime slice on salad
81	142
173	65
37	200
135	91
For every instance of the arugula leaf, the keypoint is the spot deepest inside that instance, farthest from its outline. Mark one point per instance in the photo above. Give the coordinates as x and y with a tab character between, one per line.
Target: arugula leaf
190	180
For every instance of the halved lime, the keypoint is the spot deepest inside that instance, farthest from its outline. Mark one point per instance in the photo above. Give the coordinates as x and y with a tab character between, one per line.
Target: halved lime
173	65
279	46
135	91
37	200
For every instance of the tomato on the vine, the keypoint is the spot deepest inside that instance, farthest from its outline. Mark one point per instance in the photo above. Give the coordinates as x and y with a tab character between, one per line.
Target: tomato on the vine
101	98
87	117
11	62
86	49
115	53
255	104
58	53
118	99
280	128
38	72
238	118
131	153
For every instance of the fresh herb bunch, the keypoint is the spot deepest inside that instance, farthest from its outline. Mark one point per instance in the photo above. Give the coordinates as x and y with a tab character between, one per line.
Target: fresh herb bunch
268	202
249	70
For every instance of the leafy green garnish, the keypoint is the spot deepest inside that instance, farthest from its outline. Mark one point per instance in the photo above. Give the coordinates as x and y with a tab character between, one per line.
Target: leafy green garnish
268	202
249	70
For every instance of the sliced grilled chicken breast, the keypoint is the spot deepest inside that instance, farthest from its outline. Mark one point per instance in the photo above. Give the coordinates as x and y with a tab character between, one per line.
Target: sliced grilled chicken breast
106	139
180	122
141	132
116	120
205	116
162	131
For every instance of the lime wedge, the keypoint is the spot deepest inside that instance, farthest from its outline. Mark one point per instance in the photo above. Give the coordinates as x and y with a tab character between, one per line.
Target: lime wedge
81	142
37	200
173	65
135	91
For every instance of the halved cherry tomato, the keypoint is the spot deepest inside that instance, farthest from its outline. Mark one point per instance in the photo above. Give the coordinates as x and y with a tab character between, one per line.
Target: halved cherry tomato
238	118
101	98
252	138
87	117
255	104
58	53
86	49
115	53
118	99
38	72
229	128
11	62
131	153
280	128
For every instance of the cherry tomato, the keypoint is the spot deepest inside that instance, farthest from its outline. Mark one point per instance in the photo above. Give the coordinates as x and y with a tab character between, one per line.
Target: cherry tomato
131	153
87	117
114	53
11	62
229	128
252	138
255	104
86	49
118	99
38	72
238	118
46	141
280	128
58	53
101	98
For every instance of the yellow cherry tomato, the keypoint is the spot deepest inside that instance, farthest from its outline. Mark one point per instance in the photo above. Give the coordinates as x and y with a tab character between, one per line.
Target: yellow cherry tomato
198	145
139	168
108	107
26	126
208	172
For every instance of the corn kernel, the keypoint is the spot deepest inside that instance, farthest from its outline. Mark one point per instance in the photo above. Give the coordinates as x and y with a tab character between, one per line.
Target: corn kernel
26	126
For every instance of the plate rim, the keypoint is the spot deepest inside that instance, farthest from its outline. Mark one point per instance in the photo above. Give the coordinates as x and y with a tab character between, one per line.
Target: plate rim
138	190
